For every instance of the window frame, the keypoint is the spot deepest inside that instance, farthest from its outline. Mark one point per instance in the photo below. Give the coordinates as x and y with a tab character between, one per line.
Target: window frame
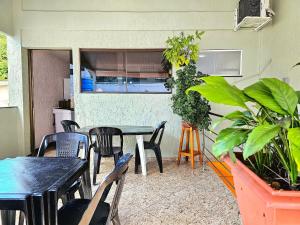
121	50
226	50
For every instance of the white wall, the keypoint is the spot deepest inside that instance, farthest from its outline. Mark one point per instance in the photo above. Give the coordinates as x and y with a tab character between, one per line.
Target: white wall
120	24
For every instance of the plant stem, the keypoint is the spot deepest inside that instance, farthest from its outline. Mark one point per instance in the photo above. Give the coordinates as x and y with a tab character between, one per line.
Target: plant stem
281	155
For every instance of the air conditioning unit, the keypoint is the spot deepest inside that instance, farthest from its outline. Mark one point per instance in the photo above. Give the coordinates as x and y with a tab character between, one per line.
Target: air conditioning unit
253	14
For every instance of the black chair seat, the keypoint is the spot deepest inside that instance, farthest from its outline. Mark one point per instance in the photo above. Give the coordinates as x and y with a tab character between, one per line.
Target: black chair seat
71	213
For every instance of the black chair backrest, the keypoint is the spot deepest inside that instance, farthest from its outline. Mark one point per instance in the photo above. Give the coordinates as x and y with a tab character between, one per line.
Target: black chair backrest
118	175
104	139
69	125
67	144
159	130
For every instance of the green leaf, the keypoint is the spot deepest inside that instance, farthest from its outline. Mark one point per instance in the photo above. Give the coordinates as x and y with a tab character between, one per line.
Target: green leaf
216	89
228	139
294	142
262	94
283	93
236	115
259	137
232	156
298	94
239	123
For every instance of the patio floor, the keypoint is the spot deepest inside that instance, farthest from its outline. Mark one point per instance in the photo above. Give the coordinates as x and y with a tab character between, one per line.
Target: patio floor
178	196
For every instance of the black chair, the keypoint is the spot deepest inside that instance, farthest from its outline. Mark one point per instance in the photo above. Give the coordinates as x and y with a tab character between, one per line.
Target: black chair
153	145
97	211
68	145
103	146
69	125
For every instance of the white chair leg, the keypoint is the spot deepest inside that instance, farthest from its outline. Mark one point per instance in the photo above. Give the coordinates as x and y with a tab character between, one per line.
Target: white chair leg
21	218
140	142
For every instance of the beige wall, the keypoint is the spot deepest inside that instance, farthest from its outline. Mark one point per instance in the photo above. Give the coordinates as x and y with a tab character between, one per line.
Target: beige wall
75	24
9	126
121	24
18	81
279	42
146	24
6	19
3	93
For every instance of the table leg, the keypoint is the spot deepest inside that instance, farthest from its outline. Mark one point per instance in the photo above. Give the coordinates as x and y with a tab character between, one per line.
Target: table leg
8	217
27	213
86	183
140	142
39	210
52	207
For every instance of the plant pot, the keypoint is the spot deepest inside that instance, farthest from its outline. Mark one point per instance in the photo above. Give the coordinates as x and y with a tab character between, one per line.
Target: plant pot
259	203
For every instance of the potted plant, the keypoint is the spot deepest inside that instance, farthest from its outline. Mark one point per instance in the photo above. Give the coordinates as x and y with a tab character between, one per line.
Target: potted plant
183	52
268	127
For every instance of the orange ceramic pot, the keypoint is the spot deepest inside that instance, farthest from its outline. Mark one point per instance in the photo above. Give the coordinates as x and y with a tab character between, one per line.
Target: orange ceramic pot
259	203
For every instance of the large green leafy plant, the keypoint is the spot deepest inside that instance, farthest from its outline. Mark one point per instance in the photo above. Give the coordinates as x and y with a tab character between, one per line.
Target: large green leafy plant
3	58
268	126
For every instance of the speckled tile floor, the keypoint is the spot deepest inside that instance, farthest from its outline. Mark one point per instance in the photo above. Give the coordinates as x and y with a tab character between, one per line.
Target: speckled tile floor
179	196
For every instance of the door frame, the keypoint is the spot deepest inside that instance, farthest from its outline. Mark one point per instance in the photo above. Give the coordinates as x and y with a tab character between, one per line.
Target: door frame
31	92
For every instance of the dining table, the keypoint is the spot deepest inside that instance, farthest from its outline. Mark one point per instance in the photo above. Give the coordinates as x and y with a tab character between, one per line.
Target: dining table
129	130
34	185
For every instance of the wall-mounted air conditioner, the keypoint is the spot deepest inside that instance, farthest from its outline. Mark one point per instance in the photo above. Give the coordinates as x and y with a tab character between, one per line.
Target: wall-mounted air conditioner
253	14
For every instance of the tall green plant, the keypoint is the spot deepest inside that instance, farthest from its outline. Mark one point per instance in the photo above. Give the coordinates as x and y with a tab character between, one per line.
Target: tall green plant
191	108
183	49
268	125
3	58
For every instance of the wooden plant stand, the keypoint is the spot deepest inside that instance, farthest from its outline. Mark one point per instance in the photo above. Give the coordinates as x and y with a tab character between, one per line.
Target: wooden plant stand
189	152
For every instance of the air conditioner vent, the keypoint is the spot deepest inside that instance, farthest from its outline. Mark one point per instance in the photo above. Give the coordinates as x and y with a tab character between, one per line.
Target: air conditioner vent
253	14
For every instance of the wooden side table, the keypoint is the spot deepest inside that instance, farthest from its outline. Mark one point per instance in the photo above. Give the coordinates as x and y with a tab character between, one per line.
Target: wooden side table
189	152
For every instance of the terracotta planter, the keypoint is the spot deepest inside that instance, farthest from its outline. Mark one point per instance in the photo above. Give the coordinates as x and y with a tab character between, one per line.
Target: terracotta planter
260	204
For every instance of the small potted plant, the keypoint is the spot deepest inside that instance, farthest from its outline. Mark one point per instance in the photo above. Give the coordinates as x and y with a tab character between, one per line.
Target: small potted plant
266	178
183	51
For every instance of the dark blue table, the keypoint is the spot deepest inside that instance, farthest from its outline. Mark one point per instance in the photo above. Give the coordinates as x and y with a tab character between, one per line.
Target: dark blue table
34	184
